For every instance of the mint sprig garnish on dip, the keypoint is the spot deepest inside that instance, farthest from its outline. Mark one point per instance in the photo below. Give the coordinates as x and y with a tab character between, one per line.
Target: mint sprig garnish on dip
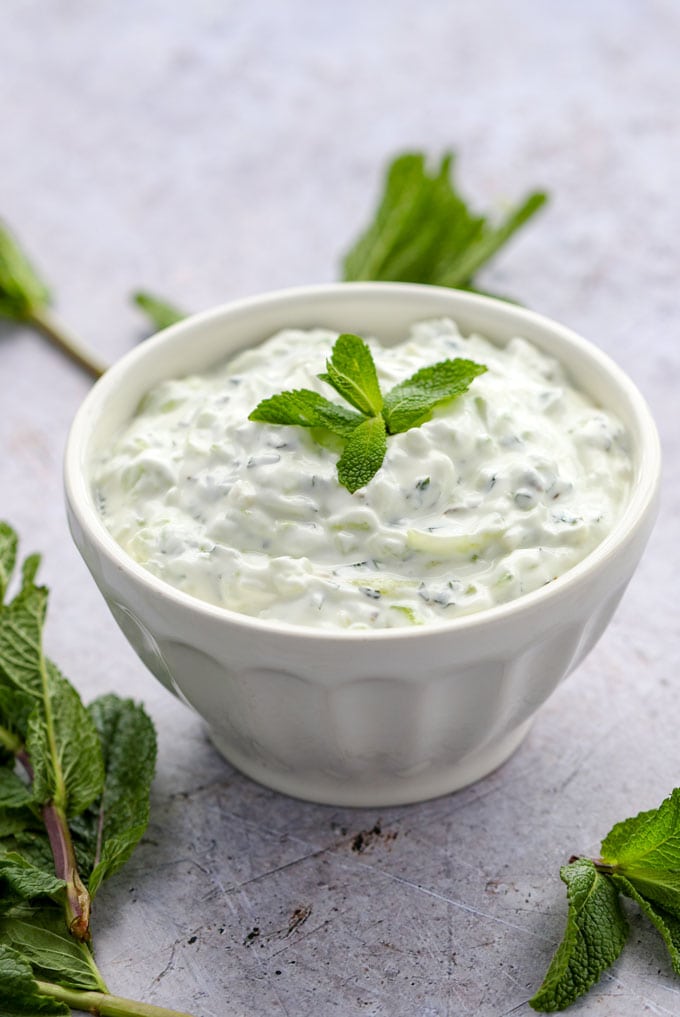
640	860
351	371
74	803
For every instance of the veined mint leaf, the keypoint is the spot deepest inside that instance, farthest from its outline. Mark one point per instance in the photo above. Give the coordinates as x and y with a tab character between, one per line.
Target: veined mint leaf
19	990
412	401
646	850
64	748
128	741
26	880
595	935
666	923
21	624
305	408
41	937
363	454
351	371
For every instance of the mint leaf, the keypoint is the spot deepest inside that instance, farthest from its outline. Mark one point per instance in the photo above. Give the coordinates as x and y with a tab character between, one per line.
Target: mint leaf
646	850
20	654
351	371
63	745
412	401
41	937
595	935
26	880
14	793
424	230
667	924
161	313
306	408
19	990
128	741
363	454
12	823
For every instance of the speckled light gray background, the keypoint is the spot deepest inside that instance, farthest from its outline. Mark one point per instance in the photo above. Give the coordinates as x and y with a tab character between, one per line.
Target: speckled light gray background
213	150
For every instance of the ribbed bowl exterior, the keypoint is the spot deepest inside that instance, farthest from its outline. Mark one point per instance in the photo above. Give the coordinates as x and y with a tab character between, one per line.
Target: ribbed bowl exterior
353	718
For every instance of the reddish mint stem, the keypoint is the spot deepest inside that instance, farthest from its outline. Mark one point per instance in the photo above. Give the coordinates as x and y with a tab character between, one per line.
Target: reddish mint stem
66	868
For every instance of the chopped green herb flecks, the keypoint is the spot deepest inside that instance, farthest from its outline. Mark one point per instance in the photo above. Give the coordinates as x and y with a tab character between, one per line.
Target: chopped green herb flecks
351	371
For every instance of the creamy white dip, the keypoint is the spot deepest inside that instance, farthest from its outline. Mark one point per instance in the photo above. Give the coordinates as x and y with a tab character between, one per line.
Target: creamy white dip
503	490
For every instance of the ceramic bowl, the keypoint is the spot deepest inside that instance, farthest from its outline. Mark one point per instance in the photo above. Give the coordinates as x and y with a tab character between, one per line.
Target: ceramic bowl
360	717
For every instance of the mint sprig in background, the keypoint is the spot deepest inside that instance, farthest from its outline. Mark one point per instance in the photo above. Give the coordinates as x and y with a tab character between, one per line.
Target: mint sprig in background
640	859
351	371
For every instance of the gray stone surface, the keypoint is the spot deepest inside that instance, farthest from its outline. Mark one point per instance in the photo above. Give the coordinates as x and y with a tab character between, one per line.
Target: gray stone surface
212	150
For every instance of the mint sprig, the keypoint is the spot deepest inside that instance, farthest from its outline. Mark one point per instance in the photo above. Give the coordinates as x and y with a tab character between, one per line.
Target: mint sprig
25	298
351	371
641	860
425	231
74	802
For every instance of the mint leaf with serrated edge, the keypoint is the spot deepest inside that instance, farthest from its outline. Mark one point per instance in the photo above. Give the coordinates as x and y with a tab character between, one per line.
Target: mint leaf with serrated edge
118	822
646	850
595	935
351	371
363	454
305	408
411	402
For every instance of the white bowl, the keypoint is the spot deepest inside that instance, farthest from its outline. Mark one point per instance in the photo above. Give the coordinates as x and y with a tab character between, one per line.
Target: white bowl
347	717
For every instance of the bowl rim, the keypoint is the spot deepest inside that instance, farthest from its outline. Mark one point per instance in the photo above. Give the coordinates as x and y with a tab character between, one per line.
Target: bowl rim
81	504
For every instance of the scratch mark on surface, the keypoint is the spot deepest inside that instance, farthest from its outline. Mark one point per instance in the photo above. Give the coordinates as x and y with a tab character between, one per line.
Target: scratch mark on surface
454	903
171	963
298	918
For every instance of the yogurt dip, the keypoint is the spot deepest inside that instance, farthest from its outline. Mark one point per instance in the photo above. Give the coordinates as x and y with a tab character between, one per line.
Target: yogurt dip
505	488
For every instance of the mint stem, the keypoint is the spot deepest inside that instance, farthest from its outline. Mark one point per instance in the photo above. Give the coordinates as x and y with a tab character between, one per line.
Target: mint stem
101	1004
66	868
64	340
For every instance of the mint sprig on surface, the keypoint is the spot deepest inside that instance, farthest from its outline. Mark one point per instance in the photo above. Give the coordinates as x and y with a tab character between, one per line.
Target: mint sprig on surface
26	298
424	230
74	802
351	371
640	860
